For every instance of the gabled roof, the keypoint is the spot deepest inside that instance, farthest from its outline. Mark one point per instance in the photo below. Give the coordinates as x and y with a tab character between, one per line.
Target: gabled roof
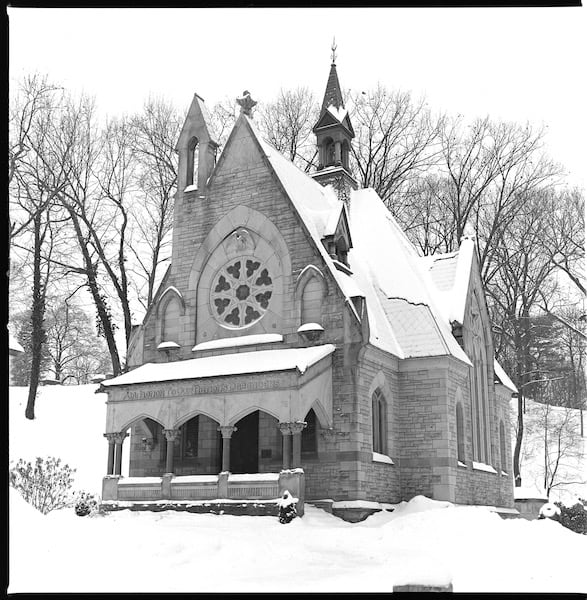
403	318
451	275
503	378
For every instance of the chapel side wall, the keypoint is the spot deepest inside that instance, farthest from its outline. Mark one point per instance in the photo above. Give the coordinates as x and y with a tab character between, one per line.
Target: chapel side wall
336	471
425	456
479	487
379	482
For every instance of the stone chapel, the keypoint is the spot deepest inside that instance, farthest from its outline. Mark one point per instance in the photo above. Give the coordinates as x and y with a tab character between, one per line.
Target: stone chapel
298	341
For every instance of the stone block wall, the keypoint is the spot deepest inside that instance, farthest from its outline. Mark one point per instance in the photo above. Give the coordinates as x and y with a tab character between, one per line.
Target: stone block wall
423	429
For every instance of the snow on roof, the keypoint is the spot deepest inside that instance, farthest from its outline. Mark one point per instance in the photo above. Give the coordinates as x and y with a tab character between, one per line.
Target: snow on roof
261	361
403	284
337	113
503	377
243	340
13	344
461	280
397	270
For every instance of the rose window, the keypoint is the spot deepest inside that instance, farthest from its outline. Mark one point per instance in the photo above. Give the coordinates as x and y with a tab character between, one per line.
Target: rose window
240	292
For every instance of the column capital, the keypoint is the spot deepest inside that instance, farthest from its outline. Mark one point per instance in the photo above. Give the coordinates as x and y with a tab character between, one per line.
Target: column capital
297	427
284	428
111	437
171	434
227	430
119	436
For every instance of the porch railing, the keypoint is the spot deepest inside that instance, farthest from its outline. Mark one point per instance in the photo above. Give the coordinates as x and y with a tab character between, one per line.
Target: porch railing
224	486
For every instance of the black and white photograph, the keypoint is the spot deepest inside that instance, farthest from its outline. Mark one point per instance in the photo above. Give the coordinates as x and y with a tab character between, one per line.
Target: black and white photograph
296	300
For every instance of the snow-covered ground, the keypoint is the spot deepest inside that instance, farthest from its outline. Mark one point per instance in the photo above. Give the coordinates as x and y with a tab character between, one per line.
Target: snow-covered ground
568	449
421	541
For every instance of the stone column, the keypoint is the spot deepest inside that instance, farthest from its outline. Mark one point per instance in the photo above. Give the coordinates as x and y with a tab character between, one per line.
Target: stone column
286	433
337	153
110	464
118	439
226	431
170	435
296	431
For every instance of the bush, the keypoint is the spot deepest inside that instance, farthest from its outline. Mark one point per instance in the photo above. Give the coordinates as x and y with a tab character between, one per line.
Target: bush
574	517
86	504
46	484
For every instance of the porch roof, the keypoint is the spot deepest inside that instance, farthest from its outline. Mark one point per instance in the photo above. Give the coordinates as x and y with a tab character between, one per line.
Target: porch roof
239	363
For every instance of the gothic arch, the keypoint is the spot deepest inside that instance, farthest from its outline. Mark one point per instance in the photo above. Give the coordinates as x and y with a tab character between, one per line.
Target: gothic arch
310	275
194	413
251	409
138	418
240	216
169	296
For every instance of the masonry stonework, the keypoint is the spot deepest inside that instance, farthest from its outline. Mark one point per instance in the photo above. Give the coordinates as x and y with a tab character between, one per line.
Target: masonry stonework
372	417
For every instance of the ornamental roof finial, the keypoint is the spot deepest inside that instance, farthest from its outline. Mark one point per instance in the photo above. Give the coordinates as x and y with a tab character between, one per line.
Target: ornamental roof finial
333	48
246	103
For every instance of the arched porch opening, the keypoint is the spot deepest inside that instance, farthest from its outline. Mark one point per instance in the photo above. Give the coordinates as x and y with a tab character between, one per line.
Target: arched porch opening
256	445
197	449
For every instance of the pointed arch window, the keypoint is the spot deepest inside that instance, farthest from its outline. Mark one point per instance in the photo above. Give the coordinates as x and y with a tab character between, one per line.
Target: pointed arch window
502	448
192	162
460	433
312	301
379	416
309	445
170	325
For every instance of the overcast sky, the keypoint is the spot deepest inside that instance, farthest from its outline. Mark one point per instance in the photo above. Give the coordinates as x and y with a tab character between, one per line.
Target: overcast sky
515	64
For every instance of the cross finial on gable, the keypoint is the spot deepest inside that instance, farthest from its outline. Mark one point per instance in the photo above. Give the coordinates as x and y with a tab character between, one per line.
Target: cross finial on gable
246	103
333	48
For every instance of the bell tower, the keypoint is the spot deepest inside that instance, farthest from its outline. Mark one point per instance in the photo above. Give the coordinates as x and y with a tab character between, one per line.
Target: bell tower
334	133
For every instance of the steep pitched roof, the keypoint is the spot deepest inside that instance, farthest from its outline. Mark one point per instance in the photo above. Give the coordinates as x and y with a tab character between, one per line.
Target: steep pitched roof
333	94
403	317
451	274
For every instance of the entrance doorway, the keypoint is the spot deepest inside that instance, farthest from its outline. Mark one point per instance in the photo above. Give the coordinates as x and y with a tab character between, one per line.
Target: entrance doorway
244	445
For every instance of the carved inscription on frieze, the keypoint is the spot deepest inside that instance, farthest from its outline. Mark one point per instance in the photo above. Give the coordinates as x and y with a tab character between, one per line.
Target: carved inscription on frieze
173	390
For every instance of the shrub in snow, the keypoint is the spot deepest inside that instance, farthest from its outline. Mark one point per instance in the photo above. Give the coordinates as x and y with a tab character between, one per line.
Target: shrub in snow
574	517
287	508
549	511
45	484
86	503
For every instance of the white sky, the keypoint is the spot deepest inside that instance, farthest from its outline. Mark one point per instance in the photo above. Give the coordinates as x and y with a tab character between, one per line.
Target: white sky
516	64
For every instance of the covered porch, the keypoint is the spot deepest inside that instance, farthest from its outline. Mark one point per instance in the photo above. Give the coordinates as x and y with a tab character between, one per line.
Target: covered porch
237	436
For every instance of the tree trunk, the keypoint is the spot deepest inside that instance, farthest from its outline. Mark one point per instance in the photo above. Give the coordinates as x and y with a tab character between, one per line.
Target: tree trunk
37	317
99	301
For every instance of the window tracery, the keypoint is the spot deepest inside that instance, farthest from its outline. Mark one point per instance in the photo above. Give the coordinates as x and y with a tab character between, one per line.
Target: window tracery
241	292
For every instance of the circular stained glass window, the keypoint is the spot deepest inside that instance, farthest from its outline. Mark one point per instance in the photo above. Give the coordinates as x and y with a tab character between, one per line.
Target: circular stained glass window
240	292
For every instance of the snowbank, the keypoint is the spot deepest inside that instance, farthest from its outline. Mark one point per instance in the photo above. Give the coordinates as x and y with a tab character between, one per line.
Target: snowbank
422	541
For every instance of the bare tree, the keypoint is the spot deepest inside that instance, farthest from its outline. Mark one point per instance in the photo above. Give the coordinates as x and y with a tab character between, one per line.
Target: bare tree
154	134
36	179
395	142
286	123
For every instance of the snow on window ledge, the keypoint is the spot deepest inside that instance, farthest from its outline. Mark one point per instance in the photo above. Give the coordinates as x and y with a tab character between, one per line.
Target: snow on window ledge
504	473
382	458
243	340
483	467
191	188
461	464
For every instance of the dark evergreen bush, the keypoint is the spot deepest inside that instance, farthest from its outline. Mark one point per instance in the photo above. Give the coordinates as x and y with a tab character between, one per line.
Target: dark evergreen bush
86	504
574	517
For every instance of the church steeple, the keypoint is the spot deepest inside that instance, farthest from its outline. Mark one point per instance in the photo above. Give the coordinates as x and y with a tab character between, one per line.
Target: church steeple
334	133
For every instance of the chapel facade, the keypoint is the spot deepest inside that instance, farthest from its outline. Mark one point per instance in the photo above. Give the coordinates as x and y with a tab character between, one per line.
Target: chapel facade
298	341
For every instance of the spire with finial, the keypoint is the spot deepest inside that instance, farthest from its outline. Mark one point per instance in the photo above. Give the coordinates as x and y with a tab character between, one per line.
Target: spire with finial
246	103
333	48
334	134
